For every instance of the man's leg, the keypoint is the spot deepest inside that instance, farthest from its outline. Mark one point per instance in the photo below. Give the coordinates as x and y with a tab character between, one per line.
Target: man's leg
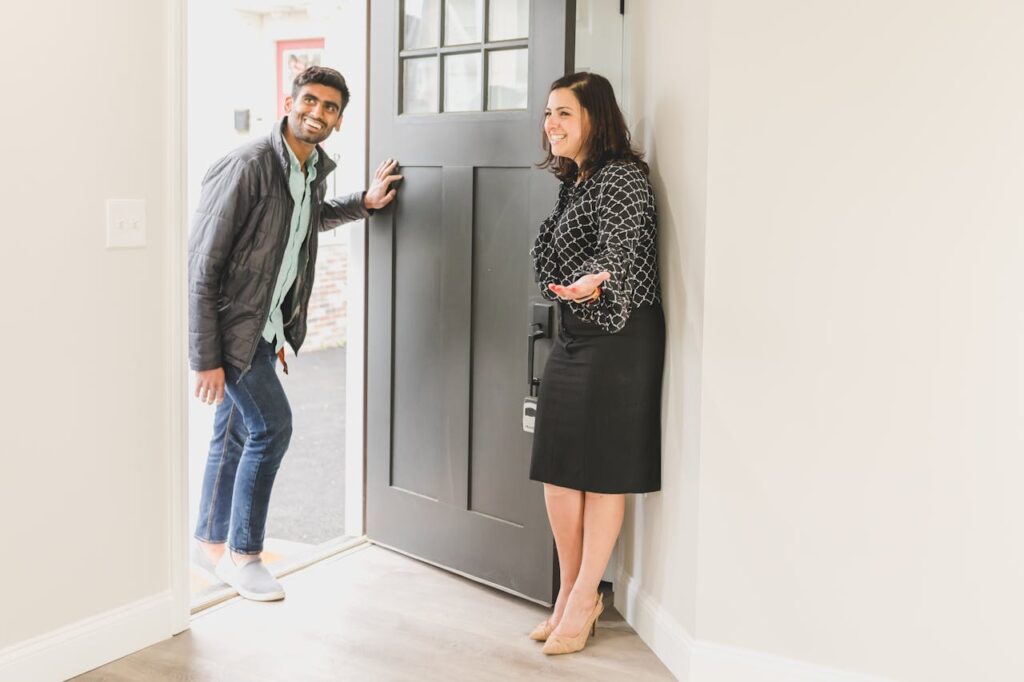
264	407
229	436
262	404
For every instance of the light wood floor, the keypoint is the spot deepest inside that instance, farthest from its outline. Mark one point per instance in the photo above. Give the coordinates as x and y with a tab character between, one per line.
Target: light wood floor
372	614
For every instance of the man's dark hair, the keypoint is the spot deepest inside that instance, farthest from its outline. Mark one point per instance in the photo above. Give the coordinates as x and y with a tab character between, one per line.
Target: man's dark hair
608	139
321	75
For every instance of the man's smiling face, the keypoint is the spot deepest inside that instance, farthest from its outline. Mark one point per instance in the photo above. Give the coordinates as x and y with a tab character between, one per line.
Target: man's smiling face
314	113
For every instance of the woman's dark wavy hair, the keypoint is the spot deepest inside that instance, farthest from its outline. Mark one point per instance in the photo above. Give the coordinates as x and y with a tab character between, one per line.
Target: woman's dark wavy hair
608	137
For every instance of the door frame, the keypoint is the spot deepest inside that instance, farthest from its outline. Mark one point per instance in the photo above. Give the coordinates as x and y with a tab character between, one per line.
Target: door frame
177	311
176	242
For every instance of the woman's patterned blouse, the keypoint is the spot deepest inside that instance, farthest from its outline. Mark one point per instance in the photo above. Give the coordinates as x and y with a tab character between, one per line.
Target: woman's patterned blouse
606	223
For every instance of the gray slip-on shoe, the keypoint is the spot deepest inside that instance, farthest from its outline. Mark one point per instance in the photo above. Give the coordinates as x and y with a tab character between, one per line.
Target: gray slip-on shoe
252	580
201	560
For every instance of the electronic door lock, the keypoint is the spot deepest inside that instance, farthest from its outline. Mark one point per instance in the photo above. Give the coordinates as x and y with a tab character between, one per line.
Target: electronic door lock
540	328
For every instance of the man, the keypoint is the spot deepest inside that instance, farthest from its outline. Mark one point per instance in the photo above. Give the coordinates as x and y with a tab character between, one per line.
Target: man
252	254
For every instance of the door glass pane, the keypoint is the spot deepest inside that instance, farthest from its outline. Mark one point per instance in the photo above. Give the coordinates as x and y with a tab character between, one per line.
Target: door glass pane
462	22
462	86
509	19
422	23
507	79
419	85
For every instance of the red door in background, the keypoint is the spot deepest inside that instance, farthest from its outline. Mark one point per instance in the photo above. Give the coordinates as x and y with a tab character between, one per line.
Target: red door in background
293	56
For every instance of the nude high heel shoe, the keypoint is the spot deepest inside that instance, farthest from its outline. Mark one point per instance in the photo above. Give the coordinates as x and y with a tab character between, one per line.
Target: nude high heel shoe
563	644
542	631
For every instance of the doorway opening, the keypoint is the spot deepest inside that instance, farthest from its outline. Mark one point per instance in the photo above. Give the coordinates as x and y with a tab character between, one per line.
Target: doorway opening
242	57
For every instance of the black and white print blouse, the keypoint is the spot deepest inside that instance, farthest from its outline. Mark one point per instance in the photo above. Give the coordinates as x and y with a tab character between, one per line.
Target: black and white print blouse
606	223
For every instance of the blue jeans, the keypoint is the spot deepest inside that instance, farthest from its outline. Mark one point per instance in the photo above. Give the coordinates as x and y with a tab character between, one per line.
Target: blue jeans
251	430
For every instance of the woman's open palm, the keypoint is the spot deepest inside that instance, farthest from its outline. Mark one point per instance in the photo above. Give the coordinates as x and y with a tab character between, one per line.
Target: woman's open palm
580	289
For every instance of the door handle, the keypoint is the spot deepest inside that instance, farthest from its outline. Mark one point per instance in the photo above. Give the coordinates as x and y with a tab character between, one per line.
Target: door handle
540	328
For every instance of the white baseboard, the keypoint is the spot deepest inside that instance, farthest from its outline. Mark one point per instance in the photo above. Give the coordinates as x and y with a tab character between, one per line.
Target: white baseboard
90	643
721	663
693	660
666	637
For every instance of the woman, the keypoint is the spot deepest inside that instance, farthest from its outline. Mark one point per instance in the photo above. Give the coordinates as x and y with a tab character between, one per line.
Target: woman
598	428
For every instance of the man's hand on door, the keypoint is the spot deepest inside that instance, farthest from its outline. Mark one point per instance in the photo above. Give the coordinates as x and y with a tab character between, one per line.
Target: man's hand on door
378	195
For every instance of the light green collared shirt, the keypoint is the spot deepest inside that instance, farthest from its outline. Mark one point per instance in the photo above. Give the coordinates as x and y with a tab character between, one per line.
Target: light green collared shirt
301	186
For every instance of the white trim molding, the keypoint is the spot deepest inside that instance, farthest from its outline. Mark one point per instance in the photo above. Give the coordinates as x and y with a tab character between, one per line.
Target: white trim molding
355	384
694	660
176	235
89	643
666	637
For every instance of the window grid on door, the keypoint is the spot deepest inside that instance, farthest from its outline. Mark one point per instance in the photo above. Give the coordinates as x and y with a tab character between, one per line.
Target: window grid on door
463	56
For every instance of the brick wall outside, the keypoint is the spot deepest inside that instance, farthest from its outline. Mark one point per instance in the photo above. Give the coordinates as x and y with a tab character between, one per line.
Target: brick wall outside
328	305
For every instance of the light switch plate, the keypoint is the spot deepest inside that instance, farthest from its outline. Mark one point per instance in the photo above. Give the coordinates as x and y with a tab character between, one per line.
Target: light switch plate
126	223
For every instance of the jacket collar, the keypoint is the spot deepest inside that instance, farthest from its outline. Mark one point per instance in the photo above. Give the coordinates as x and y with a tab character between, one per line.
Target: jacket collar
324	165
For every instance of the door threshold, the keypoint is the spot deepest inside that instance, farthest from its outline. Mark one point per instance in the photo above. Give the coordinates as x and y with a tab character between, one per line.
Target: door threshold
461	573
328	550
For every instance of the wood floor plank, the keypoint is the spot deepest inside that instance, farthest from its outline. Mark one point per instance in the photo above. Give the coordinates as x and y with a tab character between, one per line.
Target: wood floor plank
372	614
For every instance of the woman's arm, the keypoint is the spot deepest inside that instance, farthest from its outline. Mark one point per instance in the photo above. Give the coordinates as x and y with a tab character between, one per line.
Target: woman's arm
621	216
545	264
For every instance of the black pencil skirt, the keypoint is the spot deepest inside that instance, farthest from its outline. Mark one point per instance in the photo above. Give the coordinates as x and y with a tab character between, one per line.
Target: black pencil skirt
598	424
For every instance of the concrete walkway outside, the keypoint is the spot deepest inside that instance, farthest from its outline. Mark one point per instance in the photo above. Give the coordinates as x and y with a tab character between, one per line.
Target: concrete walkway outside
308	502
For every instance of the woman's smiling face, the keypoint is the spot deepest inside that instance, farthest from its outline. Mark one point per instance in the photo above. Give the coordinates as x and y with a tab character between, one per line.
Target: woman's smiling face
565	125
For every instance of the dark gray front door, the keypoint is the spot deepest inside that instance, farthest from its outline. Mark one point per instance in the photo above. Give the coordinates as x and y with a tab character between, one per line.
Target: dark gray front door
457	92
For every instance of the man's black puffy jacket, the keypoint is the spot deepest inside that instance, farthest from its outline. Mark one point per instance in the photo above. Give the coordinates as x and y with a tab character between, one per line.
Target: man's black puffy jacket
236	247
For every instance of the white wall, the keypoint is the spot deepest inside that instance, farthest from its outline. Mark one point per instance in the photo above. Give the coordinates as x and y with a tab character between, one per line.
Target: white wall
87	408
861	370
599	40
665	95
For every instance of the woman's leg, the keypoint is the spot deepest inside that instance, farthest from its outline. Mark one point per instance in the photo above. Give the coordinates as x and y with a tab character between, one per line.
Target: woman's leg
565	512
602	520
